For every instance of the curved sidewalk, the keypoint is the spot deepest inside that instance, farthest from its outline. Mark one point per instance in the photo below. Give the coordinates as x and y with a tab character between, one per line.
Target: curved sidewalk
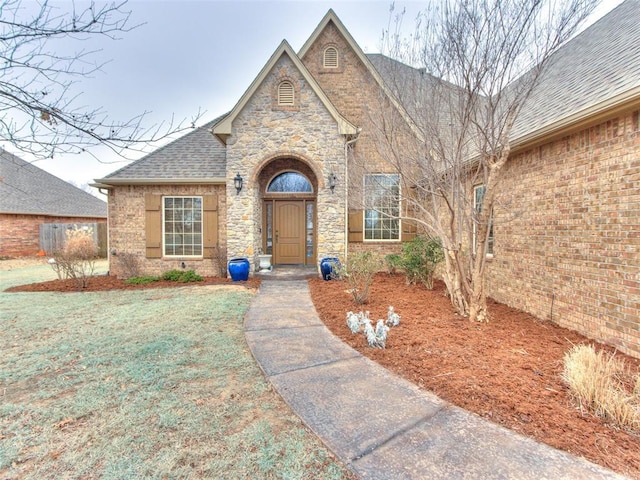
380	425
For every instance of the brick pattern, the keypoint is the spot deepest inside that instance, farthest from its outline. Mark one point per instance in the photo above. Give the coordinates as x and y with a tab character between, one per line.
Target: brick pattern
127	228
20	234
567	231
354	92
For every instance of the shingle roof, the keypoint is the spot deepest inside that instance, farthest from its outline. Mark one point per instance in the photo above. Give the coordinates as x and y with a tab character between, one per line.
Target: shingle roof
599	64
27	189
198	154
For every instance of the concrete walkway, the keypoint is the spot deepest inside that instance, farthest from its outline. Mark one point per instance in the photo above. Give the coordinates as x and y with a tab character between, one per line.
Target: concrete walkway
380	425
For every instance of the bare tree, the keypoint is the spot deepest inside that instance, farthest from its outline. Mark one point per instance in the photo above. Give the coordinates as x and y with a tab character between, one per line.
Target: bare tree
458	85
40	112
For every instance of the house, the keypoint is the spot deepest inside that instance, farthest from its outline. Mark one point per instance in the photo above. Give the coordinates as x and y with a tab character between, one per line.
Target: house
30	198
277	175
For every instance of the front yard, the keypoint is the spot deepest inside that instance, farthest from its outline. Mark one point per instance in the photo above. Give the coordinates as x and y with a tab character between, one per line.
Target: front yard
153	383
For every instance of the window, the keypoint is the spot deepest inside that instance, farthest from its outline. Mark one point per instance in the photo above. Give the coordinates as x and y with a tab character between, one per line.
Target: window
478	197
290	182
182	226
330	58
382	202
285	93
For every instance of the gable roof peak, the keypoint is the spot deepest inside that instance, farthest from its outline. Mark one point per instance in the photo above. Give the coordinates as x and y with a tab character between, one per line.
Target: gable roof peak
331	17
222	129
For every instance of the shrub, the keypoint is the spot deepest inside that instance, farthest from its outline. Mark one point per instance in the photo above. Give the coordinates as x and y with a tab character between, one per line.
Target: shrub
141	280
393	262
602	384
420	257
358	272
129	264
182	276
220	260
77	258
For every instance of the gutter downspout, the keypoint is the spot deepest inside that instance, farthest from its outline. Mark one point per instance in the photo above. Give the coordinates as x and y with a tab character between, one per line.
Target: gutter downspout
347	144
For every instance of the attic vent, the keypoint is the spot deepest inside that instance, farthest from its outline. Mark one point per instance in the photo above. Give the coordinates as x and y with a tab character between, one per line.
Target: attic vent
330	57
285	93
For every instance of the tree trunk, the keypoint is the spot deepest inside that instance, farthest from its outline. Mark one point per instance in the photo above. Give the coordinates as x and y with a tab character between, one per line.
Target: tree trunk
454	278
478	301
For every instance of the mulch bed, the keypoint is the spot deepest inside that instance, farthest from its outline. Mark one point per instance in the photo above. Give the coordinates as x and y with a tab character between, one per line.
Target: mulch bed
507	371
105	282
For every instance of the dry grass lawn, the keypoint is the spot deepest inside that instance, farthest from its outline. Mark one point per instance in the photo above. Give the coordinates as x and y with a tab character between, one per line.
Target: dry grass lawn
143	384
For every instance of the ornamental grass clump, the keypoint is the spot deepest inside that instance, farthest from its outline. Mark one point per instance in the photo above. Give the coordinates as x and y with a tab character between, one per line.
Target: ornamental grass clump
604	385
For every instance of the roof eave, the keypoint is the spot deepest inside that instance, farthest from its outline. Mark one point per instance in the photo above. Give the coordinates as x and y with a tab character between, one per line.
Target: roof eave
56	215
114	182
623	101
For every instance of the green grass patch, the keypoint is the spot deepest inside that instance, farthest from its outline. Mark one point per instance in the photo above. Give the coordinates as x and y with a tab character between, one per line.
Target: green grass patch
154	383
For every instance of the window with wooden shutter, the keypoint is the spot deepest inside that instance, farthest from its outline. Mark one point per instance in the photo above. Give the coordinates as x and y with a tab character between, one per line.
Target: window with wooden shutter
183	226
286	94
382	199
330	58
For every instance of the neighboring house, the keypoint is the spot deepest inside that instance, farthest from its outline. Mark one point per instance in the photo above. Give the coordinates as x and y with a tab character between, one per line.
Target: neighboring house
30	197
571	255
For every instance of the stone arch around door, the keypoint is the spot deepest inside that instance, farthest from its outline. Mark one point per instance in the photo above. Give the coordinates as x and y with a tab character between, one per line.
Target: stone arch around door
288	230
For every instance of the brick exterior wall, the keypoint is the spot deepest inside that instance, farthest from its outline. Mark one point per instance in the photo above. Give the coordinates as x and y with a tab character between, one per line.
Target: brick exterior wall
567	247
127	228
20	234
354	91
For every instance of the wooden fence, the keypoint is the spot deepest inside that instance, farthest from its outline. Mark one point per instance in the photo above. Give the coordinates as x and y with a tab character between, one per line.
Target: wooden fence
53	236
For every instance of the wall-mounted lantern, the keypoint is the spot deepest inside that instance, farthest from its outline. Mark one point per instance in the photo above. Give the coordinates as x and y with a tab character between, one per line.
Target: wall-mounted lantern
333	180
237	182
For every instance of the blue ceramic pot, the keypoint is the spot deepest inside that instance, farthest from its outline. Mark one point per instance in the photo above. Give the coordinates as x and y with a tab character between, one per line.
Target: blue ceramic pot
239	269
327	265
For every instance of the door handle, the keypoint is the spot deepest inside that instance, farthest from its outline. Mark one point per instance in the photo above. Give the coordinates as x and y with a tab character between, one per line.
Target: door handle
276	236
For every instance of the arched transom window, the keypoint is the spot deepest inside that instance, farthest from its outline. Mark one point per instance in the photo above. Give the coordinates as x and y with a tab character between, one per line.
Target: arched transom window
286	93
290	182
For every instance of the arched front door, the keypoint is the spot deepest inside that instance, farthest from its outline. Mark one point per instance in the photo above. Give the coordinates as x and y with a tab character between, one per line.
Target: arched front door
289	219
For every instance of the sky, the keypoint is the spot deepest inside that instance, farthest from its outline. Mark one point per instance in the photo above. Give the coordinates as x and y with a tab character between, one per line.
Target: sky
201	55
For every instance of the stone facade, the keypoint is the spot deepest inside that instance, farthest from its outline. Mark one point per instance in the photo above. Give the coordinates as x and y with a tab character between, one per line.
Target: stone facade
569	249
307	134
127	228
20	234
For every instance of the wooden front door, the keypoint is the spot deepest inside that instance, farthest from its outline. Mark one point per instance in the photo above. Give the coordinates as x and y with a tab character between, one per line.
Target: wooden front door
289	232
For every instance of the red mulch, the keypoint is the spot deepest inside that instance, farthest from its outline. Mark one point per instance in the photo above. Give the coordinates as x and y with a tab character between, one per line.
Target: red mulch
105	282
507	371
